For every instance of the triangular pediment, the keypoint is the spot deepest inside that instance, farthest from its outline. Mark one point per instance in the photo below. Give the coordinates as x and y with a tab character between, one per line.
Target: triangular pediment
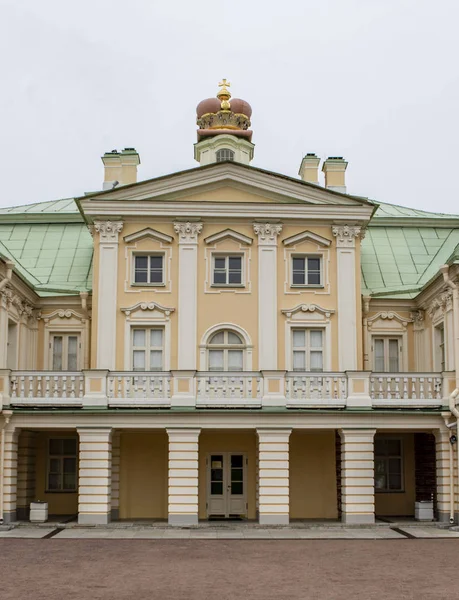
226	183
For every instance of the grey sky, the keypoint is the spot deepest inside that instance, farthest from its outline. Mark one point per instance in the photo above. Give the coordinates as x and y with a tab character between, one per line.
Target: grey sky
376	81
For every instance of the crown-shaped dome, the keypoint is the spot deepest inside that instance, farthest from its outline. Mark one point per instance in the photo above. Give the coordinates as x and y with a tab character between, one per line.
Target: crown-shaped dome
216	116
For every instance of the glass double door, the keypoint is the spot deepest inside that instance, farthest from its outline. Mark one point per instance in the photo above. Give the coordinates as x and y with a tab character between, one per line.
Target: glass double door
226	476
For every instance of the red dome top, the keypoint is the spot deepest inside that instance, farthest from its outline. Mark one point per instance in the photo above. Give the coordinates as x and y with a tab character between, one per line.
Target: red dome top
241	107
210	105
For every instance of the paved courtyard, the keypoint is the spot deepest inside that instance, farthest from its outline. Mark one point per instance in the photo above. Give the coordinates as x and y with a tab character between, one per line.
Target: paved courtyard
201	569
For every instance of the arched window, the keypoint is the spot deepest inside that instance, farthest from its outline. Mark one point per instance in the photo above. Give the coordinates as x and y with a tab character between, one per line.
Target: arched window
225	154
225	351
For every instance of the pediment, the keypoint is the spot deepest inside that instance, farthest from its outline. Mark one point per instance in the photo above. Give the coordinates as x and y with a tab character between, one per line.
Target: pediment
229	234
307	236
148	232
225	183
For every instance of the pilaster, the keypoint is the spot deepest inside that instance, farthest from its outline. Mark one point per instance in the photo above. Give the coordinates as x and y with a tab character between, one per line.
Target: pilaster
106	292
267	294
95	473
187	293
10	473
273	476
446	486
26	473
357	476
116	457
183	476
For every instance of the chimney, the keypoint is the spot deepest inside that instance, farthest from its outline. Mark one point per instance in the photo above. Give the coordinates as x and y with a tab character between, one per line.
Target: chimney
120	168
309	169
334	168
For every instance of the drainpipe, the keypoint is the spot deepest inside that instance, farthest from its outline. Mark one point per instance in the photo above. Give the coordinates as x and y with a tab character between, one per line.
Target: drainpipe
7	416
9	273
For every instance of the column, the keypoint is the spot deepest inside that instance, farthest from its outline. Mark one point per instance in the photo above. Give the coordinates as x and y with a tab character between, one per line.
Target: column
26	473
187	293
10	469
357	476
347	302
94	484
116	457
445	452
106	291
273	478
267	294
183	476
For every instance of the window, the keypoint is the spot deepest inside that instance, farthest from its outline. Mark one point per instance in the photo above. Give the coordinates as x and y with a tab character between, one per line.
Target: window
147	349
225	352
388	465
306	270
62	465
227	270
386	354
149	269
65	352
440	347
225	154
308	351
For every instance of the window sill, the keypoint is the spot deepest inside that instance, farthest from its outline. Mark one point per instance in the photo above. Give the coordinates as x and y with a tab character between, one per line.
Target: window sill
390	491
299	285
61	491
228	286
148	285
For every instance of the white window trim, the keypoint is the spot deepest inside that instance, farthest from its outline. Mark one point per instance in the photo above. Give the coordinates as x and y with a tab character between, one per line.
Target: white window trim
233	154
227	256
59	323
65	335
243	250
402	489
308	324
384	336
318	251
165	249
148	284
403	354
246	346
135	323
440	324
305	256
147	348
225	348
307	348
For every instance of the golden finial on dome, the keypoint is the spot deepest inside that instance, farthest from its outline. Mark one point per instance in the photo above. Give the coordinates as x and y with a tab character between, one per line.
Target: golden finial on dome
224	94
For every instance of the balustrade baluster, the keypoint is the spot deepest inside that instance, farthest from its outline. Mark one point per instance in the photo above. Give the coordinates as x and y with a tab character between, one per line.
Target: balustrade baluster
56	386
14	385
22	394
72	386
429	388
39	391
389	388
405	388
413	389
421	388
81	387
259	387
64	386
397	388
119	388
381	390
438	390
136	385
343	388
372	388
249	387
168	387
127	387
144	386
30	386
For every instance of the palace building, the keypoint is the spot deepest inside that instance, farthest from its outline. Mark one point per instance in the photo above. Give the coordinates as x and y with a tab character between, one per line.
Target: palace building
228	342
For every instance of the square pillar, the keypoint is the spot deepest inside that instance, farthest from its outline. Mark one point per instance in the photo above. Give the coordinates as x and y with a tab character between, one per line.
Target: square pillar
10	472
183	476
273	476
26	473
445	458
95	473
116	457
357	476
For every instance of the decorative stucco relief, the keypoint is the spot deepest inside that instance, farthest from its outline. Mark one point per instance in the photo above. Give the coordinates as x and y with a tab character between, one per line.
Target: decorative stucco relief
267	233
108	230
188	232
346	235
327	312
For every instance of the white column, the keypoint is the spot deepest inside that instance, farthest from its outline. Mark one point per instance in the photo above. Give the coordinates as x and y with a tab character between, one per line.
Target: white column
357	475
10	474
267	294
273	477
187	293
446	486
106	292
95	473
183	476
347	303
26	473
116	457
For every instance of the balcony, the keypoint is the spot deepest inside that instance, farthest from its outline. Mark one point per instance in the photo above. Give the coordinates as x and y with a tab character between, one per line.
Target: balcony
224	390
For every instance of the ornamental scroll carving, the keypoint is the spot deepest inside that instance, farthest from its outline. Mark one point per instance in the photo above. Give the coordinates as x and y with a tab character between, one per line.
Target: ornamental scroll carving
108	230
267	233
188	232
326	312
346	235
441	304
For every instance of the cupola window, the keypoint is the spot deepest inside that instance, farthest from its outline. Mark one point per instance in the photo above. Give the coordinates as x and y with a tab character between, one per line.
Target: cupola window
225	154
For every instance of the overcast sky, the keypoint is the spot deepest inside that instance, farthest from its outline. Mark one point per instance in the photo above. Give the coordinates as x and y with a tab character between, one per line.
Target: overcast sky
375	81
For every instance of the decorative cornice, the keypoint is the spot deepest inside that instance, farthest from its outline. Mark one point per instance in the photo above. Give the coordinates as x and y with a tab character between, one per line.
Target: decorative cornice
188	232
390	316
108	230
346	234
60	313
146	306
267	233
327	312
306	235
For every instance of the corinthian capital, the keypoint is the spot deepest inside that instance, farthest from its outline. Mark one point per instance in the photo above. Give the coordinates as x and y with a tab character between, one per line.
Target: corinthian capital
108	230
345	235
188	232
267	233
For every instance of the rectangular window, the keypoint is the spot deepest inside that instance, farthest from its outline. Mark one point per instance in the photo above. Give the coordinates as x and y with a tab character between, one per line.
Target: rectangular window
147	349
65	352
306	270
386	354
388	465
227	270
308	351
440	348
62	465
149	269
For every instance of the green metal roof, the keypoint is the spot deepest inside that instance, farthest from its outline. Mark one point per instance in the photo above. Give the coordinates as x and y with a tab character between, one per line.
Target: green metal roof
66	206
393	210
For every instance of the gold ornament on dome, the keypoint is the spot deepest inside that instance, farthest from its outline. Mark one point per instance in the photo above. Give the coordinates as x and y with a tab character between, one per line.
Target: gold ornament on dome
224	94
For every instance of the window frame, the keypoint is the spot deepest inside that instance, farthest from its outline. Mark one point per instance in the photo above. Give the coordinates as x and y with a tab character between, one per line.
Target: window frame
232	154
227	256
148	348
226	347
148	283
386	458
65	335
307	348
305	257
440	347
386	339
61	458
